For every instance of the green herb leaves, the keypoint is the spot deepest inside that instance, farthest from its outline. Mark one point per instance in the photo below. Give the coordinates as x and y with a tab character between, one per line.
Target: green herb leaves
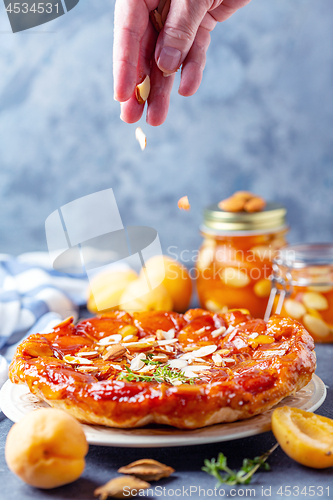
244	475
160	375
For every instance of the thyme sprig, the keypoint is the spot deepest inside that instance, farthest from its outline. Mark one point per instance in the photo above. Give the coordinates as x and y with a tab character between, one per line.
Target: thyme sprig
150	361
162	374
244	475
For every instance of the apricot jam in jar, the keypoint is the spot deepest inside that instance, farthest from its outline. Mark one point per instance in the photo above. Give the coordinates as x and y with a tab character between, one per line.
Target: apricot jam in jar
235	260
303	287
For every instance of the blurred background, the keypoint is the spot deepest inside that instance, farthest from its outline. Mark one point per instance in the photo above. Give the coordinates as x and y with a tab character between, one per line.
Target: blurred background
261	121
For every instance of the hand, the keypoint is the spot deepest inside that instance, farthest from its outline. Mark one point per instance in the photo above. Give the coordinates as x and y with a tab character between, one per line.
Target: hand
139	51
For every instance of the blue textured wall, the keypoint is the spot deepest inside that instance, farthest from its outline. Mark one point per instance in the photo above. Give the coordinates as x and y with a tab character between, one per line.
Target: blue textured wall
262	120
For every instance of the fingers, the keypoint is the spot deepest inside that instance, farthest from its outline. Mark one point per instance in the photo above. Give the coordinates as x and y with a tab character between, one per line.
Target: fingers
131	110
227	9
130	23
178	34
159	97
194	64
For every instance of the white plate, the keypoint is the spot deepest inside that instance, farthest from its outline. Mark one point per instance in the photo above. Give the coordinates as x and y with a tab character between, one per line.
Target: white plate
16	401
3	371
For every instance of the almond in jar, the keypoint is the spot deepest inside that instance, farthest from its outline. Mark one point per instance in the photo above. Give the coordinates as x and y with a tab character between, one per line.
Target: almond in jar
304	273
235	259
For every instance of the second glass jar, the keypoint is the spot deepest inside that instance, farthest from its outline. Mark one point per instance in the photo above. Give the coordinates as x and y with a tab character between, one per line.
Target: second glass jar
235	259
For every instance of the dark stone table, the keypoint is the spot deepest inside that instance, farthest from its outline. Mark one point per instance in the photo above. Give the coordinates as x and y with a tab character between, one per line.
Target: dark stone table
287	478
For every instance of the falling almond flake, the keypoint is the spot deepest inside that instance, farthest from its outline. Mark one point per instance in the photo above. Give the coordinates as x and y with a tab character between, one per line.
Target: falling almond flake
141	138
184	204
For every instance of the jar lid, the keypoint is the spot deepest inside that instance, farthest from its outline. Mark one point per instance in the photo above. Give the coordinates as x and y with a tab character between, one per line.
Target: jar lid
218	221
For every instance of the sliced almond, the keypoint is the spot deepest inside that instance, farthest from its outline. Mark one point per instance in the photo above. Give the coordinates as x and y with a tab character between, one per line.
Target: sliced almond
163	358
162	335
111	339
218	332
129	337
187	355
114	352
119	485
193	370
116	367
177	363
88	354
139	346
205	351
189	374
190	348
148	339
156	19
166	342
183	203
141	138
147	469
223	351
217	359
147	369
229	360
137	362
202	330
142	90
201	361
165	349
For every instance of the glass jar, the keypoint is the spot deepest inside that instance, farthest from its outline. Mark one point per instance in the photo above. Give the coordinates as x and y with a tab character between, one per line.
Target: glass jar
303	287
235	260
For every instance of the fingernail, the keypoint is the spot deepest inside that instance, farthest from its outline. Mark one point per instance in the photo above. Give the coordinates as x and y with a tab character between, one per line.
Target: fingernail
169	59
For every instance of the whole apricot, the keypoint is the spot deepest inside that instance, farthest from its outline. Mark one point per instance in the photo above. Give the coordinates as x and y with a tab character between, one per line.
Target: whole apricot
46	448
305	437
136	298
174	277
106	289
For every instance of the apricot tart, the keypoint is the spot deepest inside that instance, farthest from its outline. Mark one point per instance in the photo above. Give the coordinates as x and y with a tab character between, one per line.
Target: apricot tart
187	371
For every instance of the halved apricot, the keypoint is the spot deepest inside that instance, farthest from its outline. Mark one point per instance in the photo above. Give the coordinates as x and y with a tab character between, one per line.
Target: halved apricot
305	437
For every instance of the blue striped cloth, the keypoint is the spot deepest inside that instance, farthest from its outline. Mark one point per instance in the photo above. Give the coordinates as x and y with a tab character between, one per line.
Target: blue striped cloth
34	297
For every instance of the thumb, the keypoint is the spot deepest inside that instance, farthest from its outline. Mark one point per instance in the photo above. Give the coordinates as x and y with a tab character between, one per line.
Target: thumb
178	34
